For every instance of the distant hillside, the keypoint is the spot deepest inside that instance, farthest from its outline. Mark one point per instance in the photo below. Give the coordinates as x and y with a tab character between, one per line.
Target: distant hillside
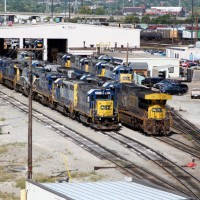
110	6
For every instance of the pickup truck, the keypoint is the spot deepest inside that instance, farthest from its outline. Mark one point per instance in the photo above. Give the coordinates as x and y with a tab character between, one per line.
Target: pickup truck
195	93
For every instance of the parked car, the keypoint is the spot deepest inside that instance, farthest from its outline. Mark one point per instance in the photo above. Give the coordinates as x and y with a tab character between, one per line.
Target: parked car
195	93
192	63
165	82
173	89
184	87
149	82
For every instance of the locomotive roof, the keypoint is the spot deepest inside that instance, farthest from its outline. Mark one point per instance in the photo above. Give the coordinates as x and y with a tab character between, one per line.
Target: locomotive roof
152	95
121	67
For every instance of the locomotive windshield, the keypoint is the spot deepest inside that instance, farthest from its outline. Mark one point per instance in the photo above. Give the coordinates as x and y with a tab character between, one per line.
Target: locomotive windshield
103	96
124	71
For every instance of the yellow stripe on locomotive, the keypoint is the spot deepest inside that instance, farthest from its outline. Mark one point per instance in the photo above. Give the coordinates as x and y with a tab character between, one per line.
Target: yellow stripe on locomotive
103	72
68	63
86	68
125	78
104	108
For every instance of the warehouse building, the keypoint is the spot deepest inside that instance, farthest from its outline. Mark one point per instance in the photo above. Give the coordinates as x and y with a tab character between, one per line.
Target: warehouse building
60	37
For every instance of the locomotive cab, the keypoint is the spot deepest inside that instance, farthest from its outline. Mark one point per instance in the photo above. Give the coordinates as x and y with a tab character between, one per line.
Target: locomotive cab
123	74
67	60
104	69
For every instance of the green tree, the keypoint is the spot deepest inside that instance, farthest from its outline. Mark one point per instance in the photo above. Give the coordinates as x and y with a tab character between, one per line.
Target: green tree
100	11
146	19
131	19
85	10
164	19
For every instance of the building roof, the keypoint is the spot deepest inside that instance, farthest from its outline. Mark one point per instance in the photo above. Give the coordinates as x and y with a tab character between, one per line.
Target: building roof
138	65
169	9
120	190
133	9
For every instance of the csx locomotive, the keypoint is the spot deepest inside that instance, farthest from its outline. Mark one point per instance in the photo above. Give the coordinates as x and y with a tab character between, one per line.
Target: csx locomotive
144	109
84	100
100	67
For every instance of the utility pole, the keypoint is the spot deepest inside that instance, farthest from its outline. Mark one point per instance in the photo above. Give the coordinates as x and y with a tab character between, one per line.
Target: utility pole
30	167
65	9
197	28
192	23
5	6
52	9
30	78
127	54
69	9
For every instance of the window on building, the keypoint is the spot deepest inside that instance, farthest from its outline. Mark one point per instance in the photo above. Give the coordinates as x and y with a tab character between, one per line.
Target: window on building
171	70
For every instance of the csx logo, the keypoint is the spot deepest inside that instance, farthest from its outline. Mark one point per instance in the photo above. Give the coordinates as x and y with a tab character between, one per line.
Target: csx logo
157	109
105	107
126	78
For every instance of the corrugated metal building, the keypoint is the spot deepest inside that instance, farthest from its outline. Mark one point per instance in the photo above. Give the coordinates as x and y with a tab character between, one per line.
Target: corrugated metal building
120	190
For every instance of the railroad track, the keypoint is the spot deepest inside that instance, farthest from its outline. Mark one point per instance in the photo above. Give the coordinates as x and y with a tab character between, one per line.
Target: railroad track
185	179
184	126
93	147
191	150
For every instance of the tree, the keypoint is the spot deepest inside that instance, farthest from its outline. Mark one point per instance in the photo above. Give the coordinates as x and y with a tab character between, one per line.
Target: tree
131	19
100	11
164	19
146	19
85	10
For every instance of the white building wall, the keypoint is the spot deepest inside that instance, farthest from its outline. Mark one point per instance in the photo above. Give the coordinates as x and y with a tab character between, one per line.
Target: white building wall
76	34
156	62
184	53
35	192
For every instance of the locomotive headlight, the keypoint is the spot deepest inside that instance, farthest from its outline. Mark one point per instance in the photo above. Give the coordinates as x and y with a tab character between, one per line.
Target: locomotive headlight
100	118
113	118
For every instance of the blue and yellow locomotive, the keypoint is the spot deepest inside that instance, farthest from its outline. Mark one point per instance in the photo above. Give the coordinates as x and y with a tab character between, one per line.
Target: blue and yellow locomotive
87	103
144	109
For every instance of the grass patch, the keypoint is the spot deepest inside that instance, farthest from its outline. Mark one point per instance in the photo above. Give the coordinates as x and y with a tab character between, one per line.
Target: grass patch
3	149
20	183
95	177
17	144
7	196
92	176
2	119
41	178
189	137
79	175
6	176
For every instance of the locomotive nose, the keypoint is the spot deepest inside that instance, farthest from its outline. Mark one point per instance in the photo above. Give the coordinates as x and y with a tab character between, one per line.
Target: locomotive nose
104	108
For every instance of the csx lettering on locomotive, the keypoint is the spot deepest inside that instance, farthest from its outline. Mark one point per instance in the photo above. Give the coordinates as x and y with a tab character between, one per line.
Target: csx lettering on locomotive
157	110
105	107
125	78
